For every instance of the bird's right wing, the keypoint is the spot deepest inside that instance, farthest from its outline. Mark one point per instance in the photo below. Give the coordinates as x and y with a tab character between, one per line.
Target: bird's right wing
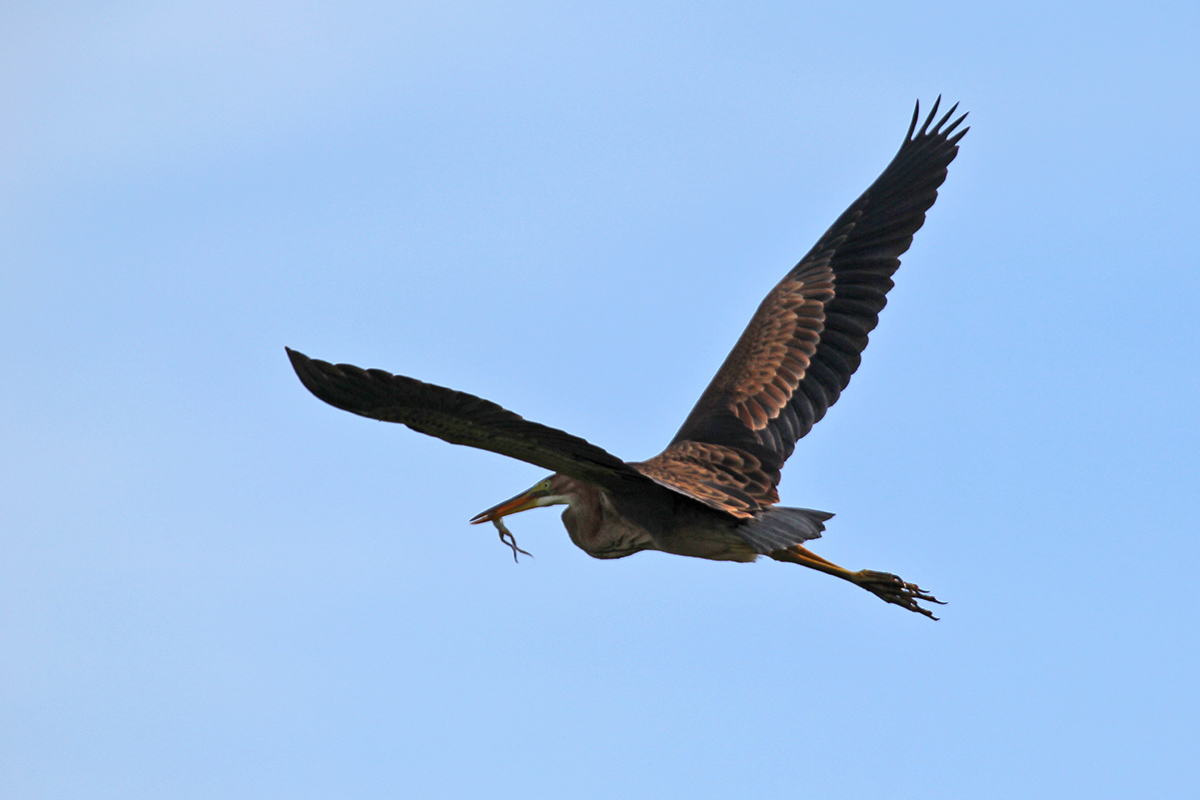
807	337
461	418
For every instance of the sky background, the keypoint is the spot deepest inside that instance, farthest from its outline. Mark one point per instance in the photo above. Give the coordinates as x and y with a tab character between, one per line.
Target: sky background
214	586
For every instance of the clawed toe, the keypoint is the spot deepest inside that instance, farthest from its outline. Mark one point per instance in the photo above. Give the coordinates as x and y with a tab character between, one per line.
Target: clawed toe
890	588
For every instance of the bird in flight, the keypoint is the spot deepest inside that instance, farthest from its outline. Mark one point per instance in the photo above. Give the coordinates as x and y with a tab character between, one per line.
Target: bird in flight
712	492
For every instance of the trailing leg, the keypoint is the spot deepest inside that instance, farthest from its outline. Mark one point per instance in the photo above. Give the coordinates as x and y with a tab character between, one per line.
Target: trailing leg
883	585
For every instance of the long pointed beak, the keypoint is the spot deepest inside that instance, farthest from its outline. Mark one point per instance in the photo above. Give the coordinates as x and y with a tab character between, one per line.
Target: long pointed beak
522	502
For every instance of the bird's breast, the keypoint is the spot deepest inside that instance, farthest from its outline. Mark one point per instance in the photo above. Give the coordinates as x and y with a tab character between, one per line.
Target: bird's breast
602	532
609	528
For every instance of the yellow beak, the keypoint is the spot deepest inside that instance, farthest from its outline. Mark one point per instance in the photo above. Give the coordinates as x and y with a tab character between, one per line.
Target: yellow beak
522	502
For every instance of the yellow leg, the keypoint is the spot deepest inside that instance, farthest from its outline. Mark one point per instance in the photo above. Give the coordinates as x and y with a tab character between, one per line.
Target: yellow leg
883	585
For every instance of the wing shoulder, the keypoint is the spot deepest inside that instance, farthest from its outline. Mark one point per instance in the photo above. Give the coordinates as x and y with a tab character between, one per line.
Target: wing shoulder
724	478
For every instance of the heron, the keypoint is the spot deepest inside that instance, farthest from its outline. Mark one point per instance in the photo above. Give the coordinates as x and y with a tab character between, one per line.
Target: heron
712	493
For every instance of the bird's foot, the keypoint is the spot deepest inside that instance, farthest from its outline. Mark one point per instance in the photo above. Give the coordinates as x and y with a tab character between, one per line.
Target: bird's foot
510	540
891	589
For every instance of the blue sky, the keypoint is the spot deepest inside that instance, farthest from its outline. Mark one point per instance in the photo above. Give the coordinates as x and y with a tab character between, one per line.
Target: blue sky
213	585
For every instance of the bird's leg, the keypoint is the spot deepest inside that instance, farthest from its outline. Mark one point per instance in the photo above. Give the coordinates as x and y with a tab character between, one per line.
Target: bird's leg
510	540
883	585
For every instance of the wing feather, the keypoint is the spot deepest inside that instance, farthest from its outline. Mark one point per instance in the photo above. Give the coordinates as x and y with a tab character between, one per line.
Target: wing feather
460	418
723	478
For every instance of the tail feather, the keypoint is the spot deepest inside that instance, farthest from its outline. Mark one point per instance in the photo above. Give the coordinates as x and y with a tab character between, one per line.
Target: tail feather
780	527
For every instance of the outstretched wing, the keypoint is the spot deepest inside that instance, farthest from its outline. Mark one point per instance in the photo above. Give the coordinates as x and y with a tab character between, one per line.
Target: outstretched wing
460	418
806	339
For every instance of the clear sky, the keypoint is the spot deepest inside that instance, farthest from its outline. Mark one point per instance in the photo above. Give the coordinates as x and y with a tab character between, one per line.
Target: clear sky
214	586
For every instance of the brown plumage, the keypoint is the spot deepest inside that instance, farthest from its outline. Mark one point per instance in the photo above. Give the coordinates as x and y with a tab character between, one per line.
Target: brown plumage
712	492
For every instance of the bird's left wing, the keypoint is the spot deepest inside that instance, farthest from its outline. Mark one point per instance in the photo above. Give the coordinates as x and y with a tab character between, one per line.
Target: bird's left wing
461	418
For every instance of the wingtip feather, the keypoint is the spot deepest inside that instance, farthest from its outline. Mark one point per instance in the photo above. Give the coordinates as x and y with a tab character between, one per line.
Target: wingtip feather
932	114
912	126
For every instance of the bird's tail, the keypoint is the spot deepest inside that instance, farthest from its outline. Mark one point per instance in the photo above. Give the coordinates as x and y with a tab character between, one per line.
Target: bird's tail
781	527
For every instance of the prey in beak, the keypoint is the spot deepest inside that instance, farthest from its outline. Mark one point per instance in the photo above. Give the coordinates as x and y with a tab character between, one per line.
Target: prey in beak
537	496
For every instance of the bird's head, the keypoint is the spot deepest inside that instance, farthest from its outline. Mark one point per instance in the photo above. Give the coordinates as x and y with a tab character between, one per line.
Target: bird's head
553	491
